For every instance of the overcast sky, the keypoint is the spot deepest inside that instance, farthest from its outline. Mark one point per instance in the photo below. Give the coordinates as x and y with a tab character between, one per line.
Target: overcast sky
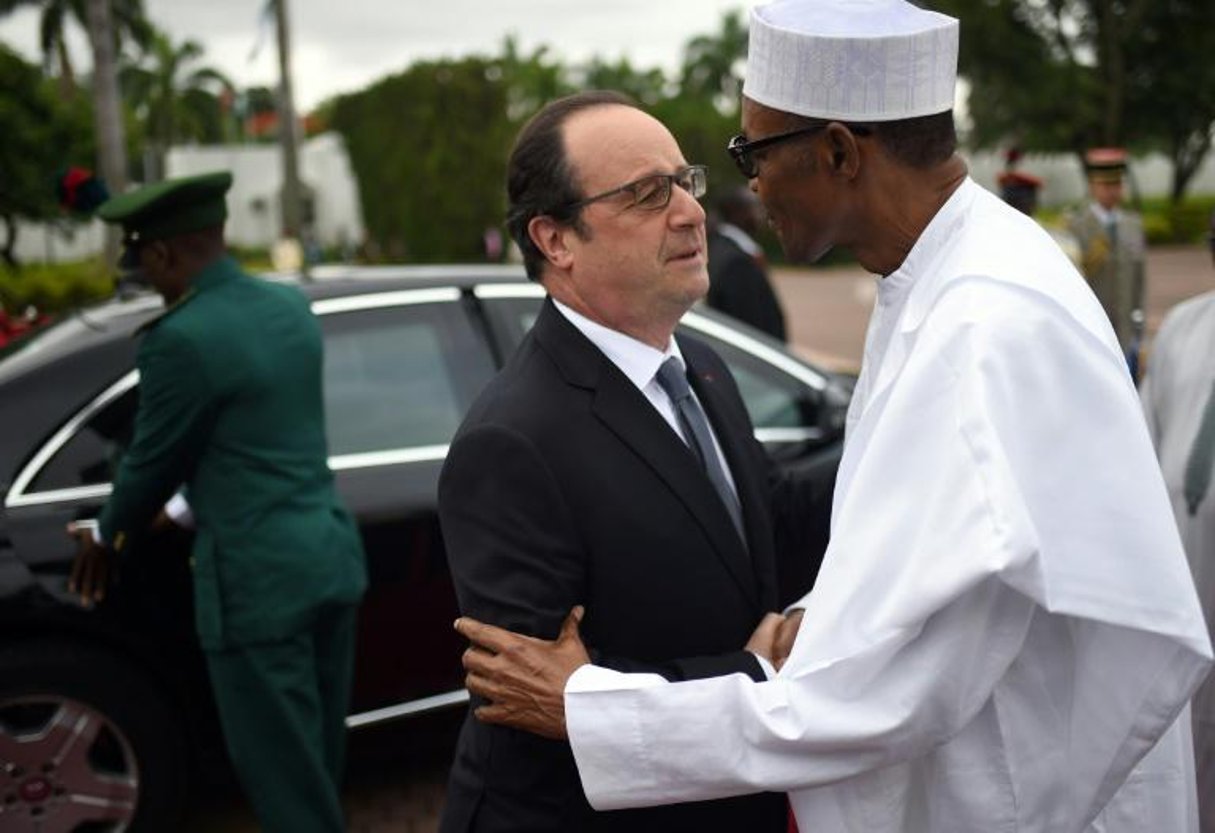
342	45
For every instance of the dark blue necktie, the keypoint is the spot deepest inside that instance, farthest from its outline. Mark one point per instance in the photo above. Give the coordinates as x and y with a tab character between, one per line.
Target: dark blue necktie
672	379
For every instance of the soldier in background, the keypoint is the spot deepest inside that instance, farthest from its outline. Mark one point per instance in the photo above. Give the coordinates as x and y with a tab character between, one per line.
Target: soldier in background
1113	249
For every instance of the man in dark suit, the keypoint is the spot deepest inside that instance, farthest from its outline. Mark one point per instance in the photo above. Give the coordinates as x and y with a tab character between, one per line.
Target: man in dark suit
230	406
738	271
577	478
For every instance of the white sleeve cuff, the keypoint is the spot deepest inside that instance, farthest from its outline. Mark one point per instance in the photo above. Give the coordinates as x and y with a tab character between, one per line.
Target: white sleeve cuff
179	511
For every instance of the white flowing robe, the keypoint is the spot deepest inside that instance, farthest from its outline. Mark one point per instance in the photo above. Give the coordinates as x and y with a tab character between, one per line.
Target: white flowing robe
1004	626
1181	375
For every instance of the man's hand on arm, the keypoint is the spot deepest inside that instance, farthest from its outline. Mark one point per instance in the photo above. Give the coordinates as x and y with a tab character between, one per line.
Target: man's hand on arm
774	636
763	640
523	678
785	636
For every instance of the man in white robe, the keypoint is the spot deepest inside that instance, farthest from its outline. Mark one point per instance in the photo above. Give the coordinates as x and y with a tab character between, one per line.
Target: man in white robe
1004	634
1177	394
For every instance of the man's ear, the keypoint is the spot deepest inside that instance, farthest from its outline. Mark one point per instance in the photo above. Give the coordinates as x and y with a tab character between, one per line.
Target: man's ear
845	153
159	255
550	238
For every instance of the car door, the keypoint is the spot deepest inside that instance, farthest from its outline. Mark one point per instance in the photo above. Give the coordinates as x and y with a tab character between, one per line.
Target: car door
401	369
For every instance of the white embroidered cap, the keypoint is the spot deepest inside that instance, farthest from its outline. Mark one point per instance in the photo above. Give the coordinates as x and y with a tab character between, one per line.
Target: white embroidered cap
852	60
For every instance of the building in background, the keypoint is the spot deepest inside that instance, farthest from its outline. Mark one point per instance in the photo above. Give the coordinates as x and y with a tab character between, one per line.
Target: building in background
254	203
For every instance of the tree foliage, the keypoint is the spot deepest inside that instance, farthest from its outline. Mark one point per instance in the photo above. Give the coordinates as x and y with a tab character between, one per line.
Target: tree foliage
129	24
428	147
43	135
1172	83
174	97
1065	75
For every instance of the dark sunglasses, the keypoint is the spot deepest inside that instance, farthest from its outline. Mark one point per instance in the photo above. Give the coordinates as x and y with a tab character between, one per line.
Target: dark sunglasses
741	150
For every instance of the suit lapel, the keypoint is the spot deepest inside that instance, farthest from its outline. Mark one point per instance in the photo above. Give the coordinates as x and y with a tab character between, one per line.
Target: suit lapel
625	412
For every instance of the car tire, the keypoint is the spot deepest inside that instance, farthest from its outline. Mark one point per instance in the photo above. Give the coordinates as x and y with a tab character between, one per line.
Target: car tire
86	740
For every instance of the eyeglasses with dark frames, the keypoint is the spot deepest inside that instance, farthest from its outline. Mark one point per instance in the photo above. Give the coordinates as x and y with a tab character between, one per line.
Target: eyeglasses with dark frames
741	150
653	192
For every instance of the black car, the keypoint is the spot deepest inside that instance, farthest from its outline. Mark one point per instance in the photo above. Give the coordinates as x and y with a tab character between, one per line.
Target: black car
105	713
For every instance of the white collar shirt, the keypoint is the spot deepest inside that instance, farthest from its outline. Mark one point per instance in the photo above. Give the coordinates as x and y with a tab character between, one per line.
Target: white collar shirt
1107	216
639	362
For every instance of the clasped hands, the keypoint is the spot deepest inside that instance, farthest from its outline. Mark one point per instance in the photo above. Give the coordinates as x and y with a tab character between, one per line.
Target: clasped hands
523	678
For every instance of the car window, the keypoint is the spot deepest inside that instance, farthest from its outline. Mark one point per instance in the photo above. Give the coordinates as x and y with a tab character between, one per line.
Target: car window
400	377
773	398
394	378
90	457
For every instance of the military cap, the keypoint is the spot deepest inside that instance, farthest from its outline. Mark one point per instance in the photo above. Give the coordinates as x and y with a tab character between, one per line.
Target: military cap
168	208
1105	164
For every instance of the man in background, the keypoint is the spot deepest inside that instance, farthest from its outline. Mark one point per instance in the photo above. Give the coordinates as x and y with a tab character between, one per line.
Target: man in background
1178	395
230	405
1113	249
739	284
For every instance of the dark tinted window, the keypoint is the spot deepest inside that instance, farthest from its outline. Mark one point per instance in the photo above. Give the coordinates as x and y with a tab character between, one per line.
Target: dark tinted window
773	398
91	456
400	377
394	378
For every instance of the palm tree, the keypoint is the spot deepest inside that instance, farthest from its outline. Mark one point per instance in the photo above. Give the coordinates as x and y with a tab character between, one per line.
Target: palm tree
128	22
172	98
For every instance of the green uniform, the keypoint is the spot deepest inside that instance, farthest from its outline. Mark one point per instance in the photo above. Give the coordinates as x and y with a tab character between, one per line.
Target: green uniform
231	406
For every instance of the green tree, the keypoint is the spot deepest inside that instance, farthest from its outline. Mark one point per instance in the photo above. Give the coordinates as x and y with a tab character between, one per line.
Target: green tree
1065	75
428	148
105	22
173	98
529	80
1172	84
128	18
43	135
712	64
647	87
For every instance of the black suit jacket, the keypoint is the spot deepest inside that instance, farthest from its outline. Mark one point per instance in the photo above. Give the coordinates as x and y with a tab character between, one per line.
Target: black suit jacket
565	486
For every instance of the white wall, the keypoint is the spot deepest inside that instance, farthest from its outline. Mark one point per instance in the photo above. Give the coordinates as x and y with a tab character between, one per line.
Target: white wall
254	208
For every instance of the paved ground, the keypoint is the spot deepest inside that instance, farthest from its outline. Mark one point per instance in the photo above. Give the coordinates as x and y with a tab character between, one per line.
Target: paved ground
395	783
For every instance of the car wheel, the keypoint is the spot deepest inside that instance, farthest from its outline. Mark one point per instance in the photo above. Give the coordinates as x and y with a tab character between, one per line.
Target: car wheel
86	742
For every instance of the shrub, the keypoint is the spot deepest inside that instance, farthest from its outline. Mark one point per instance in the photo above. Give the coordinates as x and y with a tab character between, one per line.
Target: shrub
52	287
1186	223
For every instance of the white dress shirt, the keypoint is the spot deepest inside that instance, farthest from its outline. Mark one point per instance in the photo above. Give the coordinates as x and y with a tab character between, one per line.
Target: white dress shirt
639	362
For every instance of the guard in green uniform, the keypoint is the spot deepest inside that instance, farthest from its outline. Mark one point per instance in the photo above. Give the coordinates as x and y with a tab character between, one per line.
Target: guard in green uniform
230	408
